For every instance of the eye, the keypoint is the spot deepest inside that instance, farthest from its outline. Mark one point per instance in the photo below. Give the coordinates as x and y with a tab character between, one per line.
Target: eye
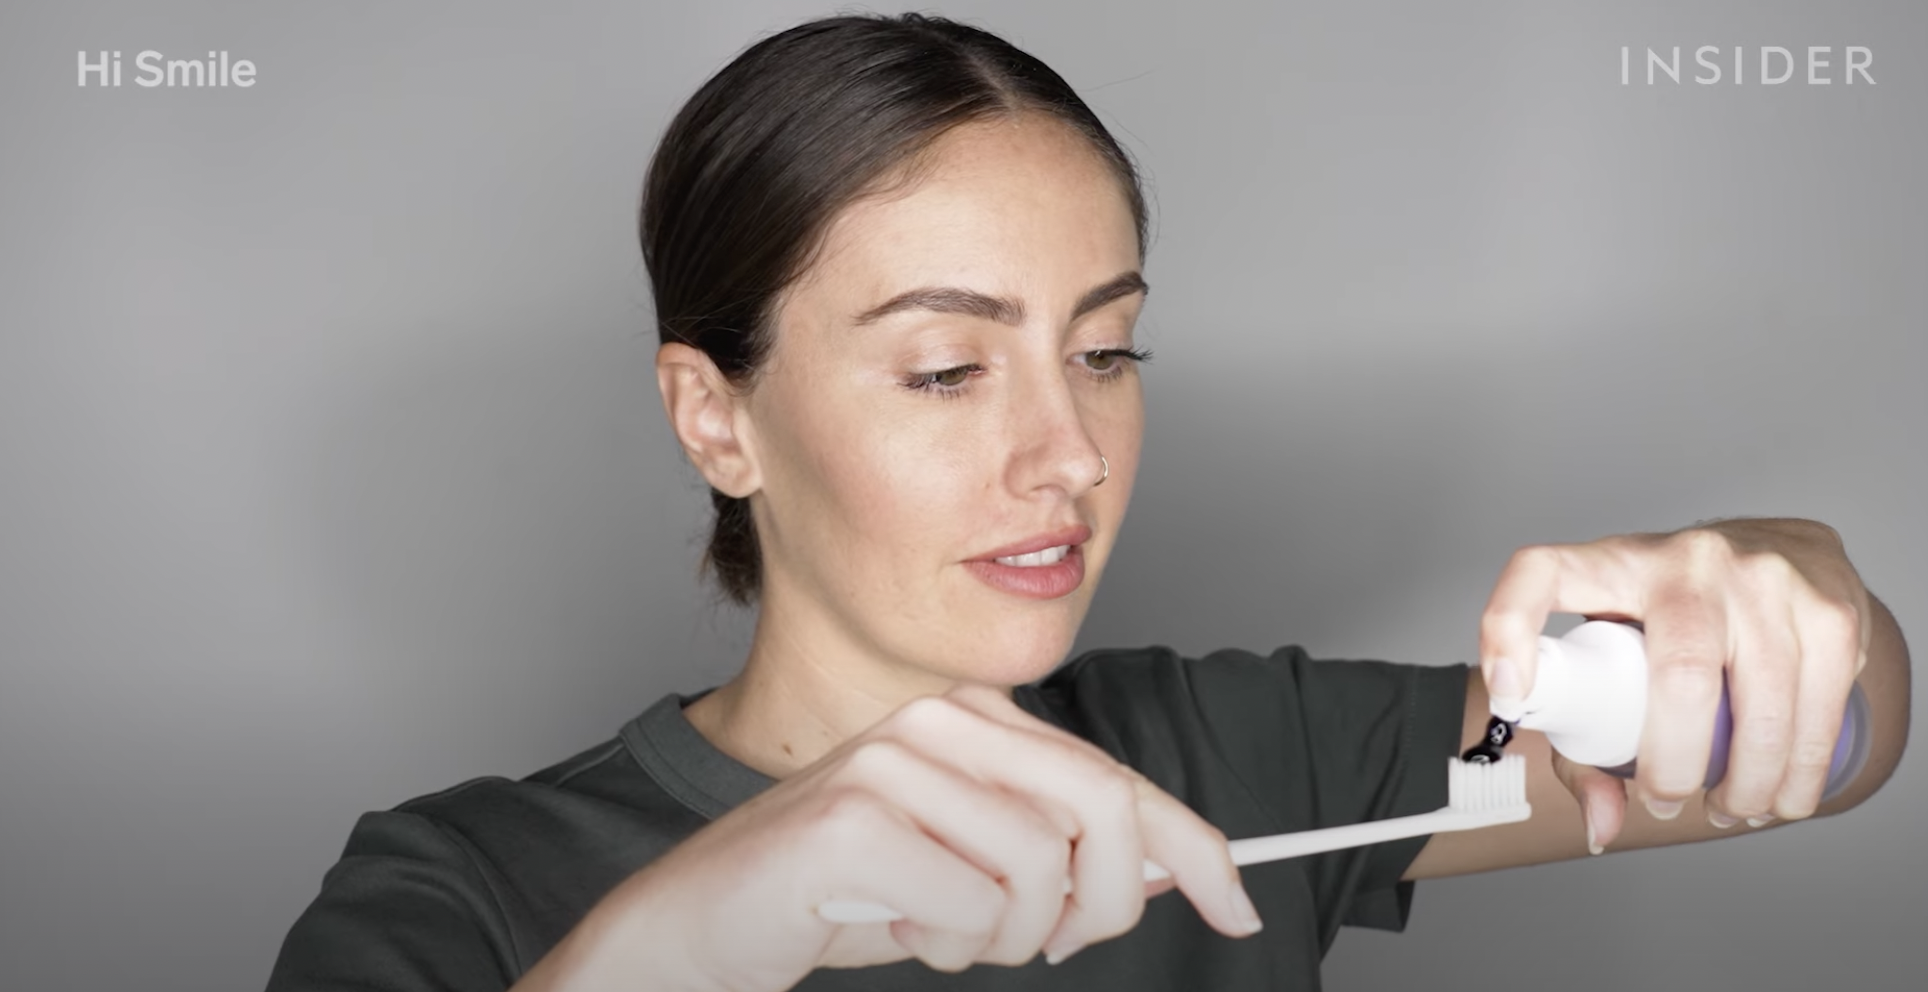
947	383
1109	363
950	377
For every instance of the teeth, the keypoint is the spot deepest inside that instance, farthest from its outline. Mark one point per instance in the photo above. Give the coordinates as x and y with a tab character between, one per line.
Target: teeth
1049	556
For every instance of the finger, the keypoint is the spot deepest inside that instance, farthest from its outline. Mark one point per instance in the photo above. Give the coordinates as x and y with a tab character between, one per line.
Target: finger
1687	655
1538	581
1093	799
1182	833
950	907
1199	860
1830	645
1602	798
1761	692
1008	840
997	705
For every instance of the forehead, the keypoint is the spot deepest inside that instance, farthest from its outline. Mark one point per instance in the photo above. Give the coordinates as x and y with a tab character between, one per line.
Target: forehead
1021	206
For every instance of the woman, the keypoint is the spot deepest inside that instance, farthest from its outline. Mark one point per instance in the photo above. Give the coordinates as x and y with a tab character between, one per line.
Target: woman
897	264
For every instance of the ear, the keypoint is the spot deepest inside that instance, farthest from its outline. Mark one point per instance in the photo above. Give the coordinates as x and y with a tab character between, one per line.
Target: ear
707	416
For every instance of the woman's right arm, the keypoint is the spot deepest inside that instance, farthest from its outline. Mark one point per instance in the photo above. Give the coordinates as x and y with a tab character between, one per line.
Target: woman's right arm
962	812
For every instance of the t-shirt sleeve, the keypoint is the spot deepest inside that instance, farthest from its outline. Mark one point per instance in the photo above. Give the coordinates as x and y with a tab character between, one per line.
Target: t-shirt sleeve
1327	742
405	909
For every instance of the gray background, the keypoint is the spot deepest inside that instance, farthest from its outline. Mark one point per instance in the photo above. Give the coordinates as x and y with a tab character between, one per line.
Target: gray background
335	471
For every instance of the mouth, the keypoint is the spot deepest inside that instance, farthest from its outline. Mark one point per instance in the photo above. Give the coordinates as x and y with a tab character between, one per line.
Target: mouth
1036	559
1048	566
1040	549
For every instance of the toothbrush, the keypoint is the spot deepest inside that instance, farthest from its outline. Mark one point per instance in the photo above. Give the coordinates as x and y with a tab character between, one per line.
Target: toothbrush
1478	795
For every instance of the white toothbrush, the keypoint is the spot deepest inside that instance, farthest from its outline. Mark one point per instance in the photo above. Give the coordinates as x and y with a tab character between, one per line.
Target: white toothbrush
1478	795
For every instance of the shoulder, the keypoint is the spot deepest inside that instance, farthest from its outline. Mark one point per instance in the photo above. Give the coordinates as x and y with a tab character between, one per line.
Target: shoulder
481	831
473	803
598	806
482	877
568	808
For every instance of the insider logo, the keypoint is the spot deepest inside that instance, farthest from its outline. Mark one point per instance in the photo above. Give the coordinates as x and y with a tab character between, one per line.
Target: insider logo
1772	65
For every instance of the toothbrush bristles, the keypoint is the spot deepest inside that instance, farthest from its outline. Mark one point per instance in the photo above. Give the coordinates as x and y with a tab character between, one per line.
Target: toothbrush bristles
1483	786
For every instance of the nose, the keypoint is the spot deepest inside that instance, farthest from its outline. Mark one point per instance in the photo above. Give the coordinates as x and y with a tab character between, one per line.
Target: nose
1053	443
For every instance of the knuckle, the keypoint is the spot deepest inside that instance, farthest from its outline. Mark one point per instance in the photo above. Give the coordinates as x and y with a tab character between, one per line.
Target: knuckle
974	694
1812	755
877	758
848	823
1534	557
1042	861
967	940
1114	791
1744	806
1689	678
1765	731
1703	547
924	712
949	956
1674	785
1690	644
1007	955
1839	621
1529	561
1495	625
1106	922
1009	948
1796	809
850	809
989	903
1768	569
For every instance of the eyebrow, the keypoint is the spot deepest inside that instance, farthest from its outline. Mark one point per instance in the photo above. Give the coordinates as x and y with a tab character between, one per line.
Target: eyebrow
1004	310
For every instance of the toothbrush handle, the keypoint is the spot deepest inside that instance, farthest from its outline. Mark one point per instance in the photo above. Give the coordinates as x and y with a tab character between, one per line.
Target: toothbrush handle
857	911
1254	850
1278	847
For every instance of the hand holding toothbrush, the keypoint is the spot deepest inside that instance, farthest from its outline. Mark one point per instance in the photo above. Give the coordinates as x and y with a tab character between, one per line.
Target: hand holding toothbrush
962	812
1774	604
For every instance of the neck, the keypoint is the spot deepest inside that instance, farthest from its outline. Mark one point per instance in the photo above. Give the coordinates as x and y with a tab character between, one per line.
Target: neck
801	694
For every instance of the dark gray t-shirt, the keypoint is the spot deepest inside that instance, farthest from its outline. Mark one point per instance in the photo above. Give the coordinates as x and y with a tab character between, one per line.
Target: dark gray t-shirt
466	889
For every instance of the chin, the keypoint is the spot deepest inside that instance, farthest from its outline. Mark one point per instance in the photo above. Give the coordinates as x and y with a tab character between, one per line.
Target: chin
1017	655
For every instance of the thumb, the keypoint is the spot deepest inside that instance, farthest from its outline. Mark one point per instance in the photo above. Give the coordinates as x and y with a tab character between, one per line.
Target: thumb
1603	800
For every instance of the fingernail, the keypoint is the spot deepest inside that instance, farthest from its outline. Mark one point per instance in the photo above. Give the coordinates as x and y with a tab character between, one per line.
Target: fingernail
1062	946
1664	809
1720	819
1760	821
1243	910
1505	689
1593	846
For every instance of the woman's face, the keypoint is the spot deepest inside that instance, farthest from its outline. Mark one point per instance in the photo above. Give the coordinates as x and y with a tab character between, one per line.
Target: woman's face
900	455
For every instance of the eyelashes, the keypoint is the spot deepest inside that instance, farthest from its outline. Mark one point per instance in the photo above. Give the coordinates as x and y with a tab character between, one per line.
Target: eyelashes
952	382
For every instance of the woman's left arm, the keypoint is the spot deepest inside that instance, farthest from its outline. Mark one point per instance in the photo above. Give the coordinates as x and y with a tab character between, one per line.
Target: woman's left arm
1774	603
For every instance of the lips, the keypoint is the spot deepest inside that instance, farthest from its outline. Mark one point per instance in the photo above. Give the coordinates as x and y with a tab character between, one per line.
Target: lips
1061	538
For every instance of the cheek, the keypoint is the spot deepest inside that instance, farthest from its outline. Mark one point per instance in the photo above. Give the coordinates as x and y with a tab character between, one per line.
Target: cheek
864	484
